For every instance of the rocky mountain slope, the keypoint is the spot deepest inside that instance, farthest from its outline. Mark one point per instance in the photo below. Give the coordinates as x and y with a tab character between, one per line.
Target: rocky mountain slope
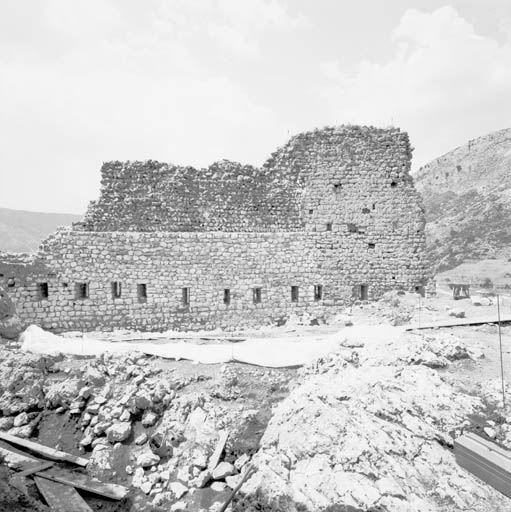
467	194
22	231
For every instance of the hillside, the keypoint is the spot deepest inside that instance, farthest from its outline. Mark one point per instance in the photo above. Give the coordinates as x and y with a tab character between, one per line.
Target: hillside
22	231
467	194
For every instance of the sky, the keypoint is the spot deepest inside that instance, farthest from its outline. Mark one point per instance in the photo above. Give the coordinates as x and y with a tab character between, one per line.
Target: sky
191	82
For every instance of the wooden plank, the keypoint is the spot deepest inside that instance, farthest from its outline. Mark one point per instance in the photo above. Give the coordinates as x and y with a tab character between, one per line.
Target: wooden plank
217	454
20	479
490	445
84	482
486	460
60	497
458	322
249	471
16	459
36	469
20	482
492	455
45	451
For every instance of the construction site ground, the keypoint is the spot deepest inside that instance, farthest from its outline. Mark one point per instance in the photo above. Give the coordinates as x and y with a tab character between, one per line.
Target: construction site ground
237	398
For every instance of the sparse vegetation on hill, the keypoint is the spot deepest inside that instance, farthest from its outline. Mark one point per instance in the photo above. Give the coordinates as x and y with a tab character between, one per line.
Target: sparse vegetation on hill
467	194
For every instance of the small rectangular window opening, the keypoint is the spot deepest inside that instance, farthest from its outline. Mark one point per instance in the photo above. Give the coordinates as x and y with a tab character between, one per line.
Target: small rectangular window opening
116	290
227	296
420	290
371	245
82	290
185	296
374	206
393	184
142	292
364	292
366	210
311	212
337	187
42	291
318	292
294	293
256	295
329	226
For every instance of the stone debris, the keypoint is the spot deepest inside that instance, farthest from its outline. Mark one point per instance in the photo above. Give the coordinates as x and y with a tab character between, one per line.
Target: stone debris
366	427
457	312
371	435
223	470
147	459
141	438
218	486
118	431
178	489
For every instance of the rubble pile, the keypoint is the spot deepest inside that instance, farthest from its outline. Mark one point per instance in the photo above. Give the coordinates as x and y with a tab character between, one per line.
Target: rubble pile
369	427
371	430
135	421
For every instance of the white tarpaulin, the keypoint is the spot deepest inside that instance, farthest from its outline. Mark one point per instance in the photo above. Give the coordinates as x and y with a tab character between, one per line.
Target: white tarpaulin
271	352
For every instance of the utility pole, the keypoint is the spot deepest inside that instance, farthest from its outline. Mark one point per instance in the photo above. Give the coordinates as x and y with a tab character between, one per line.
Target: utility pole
501	360
419	310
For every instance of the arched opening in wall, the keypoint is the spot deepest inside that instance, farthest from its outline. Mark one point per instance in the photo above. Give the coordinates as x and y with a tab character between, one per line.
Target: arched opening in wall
318	292
329	226
294	293
42	291
227	296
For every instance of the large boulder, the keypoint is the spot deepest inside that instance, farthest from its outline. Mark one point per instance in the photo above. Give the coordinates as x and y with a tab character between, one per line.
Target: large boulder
369	438
119	431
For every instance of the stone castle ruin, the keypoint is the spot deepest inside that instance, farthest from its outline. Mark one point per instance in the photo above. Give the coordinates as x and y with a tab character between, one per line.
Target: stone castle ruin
331	217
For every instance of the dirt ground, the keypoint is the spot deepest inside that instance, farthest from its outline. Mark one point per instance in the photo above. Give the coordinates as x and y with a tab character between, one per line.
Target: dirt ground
259	389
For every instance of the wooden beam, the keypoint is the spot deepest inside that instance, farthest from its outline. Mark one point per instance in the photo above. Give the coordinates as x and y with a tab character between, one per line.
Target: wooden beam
217	454
36	469
19	480
45	451
249	471
457	322
16	459
60	497
84	482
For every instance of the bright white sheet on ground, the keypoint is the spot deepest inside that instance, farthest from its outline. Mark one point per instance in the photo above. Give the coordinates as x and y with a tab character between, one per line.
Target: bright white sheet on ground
272	352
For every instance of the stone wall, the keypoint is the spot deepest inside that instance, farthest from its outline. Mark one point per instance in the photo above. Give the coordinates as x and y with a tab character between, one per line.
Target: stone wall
334	208
153	196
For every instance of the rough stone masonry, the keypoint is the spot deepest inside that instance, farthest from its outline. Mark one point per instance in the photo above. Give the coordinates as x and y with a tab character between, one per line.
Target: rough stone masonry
331	217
